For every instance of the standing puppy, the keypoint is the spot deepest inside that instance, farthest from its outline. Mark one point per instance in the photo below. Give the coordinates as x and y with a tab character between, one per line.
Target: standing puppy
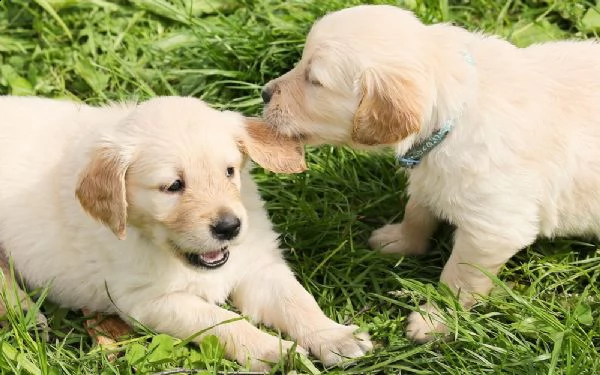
503	142
148	211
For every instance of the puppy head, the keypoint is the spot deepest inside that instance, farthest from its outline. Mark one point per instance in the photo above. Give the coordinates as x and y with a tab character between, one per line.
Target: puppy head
365	78
172	170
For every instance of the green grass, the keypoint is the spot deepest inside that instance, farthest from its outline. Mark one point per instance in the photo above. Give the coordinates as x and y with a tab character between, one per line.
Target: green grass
543	318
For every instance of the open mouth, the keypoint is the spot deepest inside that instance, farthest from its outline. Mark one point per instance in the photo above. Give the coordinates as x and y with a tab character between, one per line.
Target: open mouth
209	259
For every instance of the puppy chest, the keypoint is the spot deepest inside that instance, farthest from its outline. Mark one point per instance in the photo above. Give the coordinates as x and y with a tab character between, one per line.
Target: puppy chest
211	285
215	289
445	197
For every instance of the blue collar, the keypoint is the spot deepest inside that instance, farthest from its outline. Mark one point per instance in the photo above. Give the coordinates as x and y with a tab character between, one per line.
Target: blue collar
413	156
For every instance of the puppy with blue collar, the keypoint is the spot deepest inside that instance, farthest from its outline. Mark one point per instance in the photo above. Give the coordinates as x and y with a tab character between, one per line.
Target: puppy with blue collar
503	142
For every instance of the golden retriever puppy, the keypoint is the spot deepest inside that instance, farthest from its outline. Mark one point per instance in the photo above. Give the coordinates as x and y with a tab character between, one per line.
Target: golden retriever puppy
503	142
148	211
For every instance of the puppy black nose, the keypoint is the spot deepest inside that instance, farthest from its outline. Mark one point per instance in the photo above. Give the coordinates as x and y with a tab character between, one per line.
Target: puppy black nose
227	227
266	94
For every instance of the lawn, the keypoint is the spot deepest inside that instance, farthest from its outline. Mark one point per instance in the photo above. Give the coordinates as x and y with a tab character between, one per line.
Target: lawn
542	318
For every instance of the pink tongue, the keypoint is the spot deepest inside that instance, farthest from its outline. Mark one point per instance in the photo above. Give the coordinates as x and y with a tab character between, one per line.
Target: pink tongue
212	255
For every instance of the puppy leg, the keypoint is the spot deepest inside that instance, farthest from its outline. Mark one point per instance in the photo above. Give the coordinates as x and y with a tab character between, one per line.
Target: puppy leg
461	275
411	236
273	296
183	315
15	296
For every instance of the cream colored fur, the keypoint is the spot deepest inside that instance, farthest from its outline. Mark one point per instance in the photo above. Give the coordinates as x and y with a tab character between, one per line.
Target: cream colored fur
523	160
50	149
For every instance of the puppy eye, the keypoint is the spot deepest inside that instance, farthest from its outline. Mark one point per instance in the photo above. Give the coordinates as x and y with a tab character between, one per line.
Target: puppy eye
175	187
312	81
230	172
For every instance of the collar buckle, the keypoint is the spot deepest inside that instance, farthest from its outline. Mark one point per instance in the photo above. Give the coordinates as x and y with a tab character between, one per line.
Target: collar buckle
413	156
408	162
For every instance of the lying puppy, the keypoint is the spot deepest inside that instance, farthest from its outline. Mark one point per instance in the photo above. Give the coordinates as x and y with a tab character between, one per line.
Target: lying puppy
148	211
503	142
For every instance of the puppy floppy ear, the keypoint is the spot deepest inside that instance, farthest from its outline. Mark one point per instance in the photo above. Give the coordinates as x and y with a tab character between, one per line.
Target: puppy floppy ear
391	108
271	150
101	189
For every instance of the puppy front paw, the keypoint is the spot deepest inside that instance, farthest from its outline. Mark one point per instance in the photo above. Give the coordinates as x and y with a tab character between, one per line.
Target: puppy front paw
338	344
394	239
424	326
